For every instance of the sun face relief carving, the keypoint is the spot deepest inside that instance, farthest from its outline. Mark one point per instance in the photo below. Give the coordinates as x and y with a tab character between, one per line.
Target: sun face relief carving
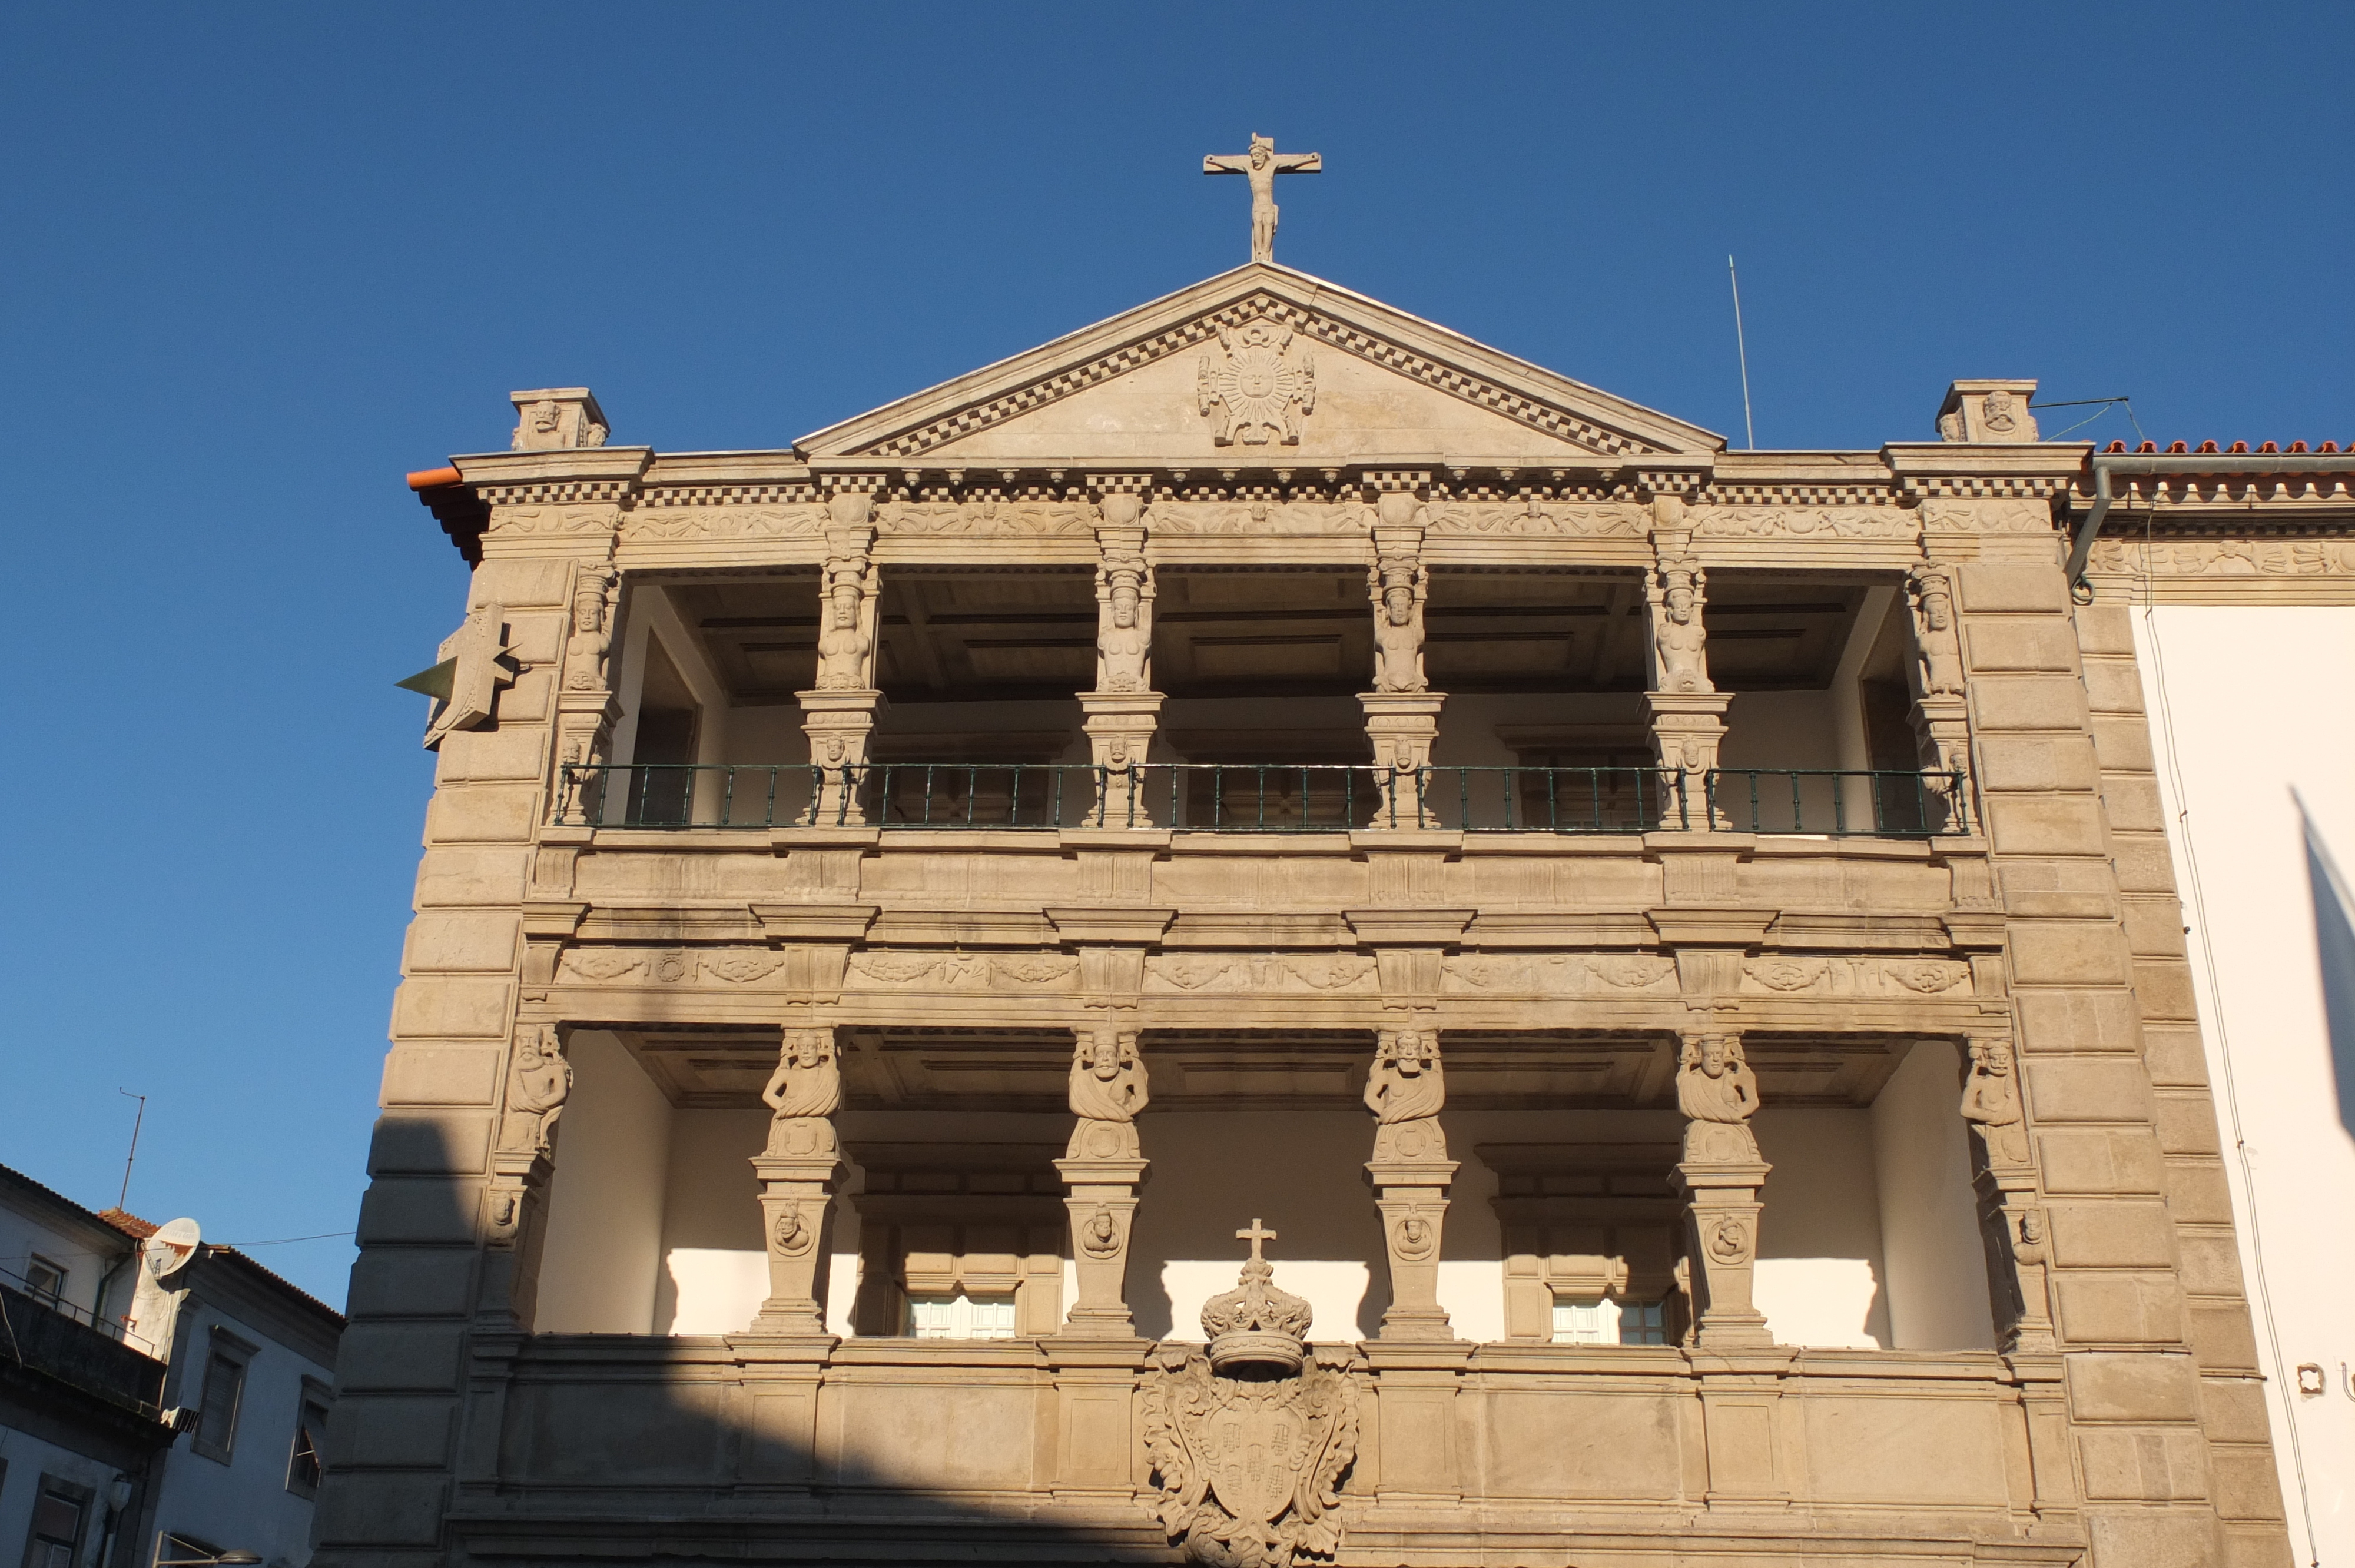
1254	394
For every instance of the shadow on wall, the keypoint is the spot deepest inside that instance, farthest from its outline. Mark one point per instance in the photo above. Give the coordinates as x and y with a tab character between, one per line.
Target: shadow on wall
631	1446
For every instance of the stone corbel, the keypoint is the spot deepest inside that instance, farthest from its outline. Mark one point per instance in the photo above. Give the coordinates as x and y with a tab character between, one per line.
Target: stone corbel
547	926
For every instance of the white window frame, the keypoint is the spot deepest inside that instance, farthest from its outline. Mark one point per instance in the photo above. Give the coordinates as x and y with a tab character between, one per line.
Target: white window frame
962	1316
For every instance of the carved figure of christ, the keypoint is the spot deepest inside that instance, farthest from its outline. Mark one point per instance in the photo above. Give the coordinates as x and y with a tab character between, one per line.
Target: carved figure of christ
1261	166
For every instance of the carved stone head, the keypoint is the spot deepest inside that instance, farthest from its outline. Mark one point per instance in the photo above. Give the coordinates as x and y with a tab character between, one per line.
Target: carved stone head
846	605
809	1049
546	414
1938	598
1398	599
1124	605
1104	1056
1713	1055
588	602
1680	601
1411	1052
1262	148
1992	1058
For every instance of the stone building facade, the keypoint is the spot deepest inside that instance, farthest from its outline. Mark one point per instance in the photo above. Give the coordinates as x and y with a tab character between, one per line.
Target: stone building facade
1660	965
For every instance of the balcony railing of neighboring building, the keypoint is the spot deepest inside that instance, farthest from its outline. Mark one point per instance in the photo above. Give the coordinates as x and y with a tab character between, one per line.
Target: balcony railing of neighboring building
1267	798
53	1338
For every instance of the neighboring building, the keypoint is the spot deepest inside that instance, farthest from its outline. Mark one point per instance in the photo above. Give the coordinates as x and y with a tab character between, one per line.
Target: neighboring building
1734	883
157	1402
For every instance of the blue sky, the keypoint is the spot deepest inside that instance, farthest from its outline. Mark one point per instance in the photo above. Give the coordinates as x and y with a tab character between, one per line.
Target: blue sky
260	260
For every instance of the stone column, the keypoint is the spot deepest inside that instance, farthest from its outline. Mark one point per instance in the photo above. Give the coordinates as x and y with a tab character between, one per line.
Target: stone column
839	716
1941	712
514	1201
1122	712
1103	1167
1410	1174
1687	713
1402	711
2012	1218
1718	1180
798	1171
586	707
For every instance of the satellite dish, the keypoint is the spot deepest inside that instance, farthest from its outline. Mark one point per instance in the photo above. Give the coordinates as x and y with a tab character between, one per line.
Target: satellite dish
168	1250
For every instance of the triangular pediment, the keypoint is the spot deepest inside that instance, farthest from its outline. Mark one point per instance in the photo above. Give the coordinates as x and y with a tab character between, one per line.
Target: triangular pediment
1262	366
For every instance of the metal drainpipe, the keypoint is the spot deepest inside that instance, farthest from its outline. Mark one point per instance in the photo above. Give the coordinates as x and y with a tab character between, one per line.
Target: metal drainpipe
2189	464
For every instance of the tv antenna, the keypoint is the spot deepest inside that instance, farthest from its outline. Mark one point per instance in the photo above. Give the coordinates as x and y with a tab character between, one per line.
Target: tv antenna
136	1123
1749	430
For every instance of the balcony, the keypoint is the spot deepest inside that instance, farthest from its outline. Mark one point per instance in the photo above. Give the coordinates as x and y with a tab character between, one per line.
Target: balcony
52	1340
1266	798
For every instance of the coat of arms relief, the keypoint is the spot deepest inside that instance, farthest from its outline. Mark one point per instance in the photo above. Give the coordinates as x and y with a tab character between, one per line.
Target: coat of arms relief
1258	393
1250	1439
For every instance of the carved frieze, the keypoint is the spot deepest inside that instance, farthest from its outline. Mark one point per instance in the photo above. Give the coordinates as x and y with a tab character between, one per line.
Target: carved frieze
695	522
985	519
962	972
1314	519
1855	976
1535	519
1299	973
668	966
2225	557
567	522
1560	974
1802	523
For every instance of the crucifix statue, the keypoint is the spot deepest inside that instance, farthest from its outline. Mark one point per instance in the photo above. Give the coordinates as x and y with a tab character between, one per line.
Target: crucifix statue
1261	166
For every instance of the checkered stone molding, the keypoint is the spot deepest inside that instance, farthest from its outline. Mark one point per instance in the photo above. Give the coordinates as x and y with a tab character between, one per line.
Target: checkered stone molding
1557	422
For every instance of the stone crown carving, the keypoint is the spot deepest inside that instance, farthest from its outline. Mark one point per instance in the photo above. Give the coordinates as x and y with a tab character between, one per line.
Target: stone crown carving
1255	1324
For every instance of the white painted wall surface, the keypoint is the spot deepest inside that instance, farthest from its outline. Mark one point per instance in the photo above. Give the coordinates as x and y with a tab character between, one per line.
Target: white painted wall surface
29	1458
2246	704
1820	1265
1936	1277
242	1503
715	1273
603	1250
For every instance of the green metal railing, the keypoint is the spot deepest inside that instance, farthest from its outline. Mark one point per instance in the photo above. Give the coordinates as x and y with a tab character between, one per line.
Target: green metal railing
1837	802
1264	798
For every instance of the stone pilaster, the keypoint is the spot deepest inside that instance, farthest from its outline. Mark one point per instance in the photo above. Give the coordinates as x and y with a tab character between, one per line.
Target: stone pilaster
797	1175
1718	1180
838	715
1410	1174
1686	711
1402	711
1103	1170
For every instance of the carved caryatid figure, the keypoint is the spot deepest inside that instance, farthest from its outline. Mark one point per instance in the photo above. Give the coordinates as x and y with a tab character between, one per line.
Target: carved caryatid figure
1261	166
1406	1089
846	633
536	1089
808	1080
1679	646
592	639
1108	1080
1991	1101
1123	629
1718	1095
1399	587
1937	661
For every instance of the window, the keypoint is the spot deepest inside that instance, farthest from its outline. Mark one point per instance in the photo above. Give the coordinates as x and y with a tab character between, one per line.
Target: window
961	1317
44	1281
224	1393
57	1515
310	1437
171	1548
1598	1322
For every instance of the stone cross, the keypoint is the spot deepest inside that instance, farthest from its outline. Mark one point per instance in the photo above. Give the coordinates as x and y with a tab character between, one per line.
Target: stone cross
1255	1235
1261	166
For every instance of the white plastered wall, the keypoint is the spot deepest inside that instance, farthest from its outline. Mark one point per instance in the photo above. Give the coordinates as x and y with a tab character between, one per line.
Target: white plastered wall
1819	1278
1934	1274
602	1251
2246	704
714	1273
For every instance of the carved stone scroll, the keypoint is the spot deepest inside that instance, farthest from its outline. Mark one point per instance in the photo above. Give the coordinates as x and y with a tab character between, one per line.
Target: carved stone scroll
1410	1174
1719	1179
